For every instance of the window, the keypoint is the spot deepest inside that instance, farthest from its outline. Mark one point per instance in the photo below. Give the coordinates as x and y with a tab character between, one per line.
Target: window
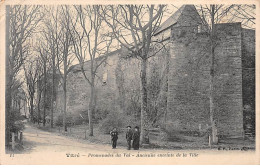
104	77
199	28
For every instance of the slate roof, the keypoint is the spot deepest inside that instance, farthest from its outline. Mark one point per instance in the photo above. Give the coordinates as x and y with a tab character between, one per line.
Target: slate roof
173	19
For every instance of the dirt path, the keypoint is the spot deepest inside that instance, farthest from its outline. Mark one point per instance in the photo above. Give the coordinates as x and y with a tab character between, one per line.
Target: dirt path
36	140
43	147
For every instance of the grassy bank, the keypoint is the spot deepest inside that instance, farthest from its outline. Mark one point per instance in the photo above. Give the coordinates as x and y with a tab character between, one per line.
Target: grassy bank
175	141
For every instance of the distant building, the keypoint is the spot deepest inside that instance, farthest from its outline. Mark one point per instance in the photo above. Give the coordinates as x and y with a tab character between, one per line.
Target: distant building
186	82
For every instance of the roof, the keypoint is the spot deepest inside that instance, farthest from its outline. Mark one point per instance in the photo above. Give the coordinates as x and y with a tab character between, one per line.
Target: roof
77	68
173	19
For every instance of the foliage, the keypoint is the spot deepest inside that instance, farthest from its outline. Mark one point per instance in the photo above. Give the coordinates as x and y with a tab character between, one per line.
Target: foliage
111	121
15	122
117	118
59	120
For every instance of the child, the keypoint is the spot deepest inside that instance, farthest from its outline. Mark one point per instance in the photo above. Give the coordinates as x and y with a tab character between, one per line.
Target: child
114	137
128	137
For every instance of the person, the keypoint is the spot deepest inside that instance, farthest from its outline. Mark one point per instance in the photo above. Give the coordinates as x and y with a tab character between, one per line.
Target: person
129	137
114	137
136	138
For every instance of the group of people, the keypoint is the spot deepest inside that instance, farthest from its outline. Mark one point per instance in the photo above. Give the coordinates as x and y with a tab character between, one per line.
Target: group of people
132	137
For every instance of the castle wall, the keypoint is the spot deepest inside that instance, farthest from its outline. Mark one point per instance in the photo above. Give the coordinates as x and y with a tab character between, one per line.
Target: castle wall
78	89
121	90
248	75
228	79
185	85
188	86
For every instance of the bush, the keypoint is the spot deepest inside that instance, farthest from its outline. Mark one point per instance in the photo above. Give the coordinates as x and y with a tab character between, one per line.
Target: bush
15	121
72	119
172	127
112	120
17	126
118	120
59	120
77	120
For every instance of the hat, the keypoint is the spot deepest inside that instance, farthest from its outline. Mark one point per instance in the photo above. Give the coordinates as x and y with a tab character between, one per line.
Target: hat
128	127
136	127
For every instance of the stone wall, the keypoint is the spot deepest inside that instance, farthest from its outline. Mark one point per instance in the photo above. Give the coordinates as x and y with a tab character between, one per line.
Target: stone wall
78	89
228	79
121	91
188	87
248	75
188	84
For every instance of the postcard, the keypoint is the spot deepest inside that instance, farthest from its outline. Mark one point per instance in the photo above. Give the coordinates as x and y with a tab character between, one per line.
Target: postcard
129	82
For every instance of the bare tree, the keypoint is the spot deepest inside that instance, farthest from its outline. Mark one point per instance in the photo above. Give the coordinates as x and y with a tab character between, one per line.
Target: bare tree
212	15
134	26
51	33
40	89
21	22
31	71
41	48
90	41
64	57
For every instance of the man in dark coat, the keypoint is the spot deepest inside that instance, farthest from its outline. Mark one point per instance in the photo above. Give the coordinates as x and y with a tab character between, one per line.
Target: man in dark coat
114	137
136	138
129	137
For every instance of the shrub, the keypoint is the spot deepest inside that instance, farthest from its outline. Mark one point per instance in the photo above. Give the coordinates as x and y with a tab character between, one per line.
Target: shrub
59	120
112	120
78	120
72	119
118	120
172	127
15	121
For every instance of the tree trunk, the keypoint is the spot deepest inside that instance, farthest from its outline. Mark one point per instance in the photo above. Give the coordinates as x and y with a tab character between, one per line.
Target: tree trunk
8	106
39	108
31	109
24	107
19	106
39	94
91	110
144	116
65	105
211	95
166	88
53	89
8	98
44	96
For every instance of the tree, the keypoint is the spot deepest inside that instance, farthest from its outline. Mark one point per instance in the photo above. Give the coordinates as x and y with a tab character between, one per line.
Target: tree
90	41
40	88
41	48
134	26
212	15
64	58
21	22
51	34
31	71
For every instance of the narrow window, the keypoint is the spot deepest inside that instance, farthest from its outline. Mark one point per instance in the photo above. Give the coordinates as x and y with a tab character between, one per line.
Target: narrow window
199	28
105	77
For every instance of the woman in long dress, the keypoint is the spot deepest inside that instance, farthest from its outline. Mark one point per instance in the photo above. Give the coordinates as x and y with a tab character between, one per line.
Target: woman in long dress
136	138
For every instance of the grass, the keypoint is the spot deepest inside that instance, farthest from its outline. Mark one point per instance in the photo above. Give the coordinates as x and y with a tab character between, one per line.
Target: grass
177	140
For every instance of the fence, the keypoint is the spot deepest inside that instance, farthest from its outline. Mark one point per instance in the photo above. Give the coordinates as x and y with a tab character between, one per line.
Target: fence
17	138
77	132
83	132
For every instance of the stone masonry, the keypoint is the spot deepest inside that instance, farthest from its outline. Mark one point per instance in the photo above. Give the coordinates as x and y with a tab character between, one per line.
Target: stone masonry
188	77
